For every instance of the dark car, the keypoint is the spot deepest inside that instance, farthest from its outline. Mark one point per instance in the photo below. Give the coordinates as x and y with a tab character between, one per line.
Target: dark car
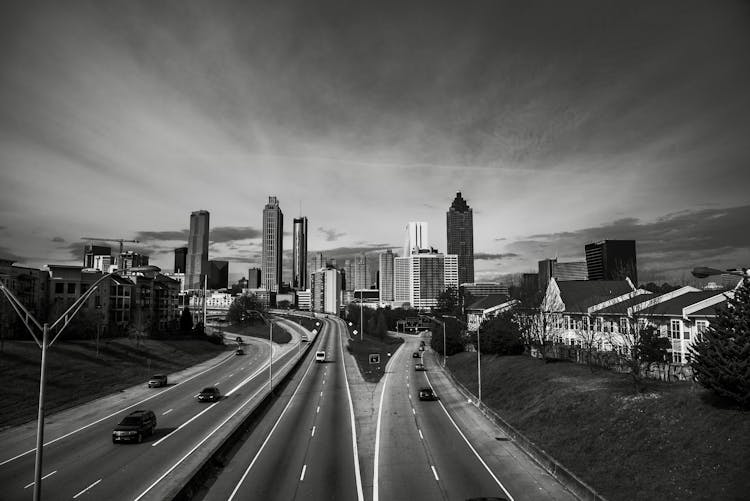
240	351
419	367
427	394
157	381
415	354
134	427
239	340
210	394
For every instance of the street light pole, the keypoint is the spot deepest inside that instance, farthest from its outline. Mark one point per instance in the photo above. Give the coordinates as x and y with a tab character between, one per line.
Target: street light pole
479	366
40	417
444	345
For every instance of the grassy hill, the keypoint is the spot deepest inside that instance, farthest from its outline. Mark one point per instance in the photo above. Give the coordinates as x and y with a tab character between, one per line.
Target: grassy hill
75	374
675	441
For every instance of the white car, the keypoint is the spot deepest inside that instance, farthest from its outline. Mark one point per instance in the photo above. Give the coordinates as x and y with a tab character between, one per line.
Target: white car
320	356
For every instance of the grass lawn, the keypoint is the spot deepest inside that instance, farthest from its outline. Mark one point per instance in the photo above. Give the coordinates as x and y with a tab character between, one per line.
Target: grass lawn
370	345
260	330
76	375
675	441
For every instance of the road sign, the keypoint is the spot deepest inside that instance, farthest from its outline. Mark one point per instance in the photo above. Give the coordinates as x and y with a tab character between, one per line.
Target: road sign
374	358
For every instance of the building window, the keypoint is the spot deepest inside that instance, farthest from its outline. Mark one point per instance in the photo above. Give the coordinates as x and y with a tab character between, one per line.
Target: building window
676	357
71	288
674	329
59	288
700	328
624	325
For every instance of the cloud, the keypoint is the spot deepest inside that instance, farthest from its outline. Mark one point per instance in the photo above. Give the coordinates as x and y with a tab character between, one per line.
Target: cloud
232	233
162	235
58	239
5	253
490	257
330	233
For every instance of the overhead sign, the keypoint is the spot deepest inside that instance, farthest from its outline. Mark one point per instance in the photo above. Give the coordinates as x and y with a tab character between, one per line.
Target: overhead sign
374	358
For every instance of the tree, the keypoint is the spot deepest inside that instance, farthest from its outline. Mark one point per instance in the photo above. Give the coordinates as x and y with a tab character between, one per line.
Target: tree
186	320
244	309
381	329
535	329
454	342
447	302
500	335
638	347
721	359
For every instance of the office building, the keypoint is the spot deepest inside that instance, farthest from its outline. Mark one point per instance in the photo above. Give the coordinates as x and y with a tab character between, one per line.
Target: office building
325	290
572	270
90	251
196	266
484	289
460	237
218	274
416	237
299	254
611	260
348	275
385	275
254	278
361	277
273	237
180	259
420	278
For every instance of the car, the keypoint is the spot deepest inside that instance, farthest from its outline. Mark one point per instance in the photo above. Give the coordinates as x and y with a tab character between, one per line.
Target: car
427	394
209	394
239	351
415	354
421	343
421	348
320	356
419	367
157	381
238	339
134	427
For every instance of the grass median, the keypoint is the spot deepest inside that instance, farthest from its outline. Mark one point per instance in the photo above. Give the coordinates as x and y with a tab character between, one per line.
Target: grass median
676	441
370	348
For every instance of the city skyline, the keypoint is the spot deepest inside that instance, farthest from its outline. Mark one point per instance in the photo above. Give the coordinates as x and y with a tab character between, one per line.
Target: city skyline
563	125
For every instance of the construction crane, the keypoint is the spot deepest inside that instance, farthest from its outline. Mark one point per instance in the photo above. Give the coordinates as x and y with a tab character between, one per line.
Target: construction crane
121	240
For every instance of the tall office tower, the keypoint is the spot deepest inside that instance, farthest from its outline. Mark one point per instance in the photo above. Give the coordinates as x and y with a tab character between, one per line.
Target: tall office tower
420	278
299	254
180	259
196	266
452	270
348	275
325	290
273	237
318	261
218	274
549	268
361	272
612	260
460	237
90	251
416	237
254	278
385	275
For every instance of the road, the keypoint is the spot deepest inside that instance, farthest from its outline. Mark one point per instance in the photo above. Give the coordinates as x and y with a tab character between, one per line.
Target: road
304	448
80	460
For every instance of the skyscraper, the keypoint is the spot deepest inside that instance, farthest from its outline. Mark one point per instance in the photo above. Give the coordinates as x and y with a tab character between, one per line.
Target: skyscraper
385	275
273	235
416	237
361	272
254	278
218	274
612	260
197	255
180	259
299	254
421	277
460	237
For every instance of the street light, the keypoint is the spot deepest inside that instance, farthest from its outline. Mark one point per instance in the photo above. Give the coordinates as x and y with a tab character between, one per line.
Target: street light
703	272
30	322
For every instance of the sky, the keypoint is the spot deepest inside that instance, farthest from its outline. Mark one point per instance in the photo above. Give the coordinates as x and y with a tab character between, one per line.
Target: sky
561	123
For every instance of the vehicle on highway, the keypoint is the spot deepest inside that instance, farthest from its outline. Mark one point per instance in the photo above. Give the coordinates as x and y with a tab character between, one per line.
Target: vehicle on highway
421	343
239	351
415	354
419	367
427	394
304	338
421	348
209	394
238	339
134	427
157	381
320	356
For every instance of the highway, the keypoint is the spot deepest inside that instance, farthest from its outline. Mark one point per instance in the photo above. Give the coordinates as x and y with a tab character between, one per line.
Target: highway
304	448
80	460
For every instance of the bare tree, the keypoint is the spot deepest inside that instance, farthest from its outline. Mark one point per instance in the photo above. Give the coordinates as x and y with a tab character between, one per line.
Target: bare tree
535	329
637	346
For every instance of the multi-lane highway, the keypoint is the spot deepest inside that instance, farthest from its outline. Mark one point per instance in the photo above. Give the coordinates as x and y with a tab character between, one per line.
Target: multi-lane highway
80	460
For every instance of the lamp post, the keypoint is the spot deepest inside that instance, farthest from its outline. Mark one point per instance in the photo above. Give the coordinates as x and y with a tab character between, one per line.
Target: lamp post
703	272
479	365
31	323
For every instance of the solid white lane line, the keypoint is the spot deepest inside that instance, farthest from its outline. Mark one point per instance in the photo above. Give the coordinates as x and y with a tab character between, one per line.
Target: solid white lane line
87	488
302	477
355	454
313	432
434	472
257	454
117	412
166	412
47	475
510	498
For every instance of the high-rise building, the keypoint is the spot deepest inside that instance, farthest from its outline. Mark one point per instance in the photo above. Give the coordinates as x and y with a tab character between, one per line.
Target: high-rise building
385	275
612	260
460	237
273	237
90	251
416	237
361	272
318	261
254	278
218	274
348	279
548	268
299	254
420	278
180	259
325	290
196	266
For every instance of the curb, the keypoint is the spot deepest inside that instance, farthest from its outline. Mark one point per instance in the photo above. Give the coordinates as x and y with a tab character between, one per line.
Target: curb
578	487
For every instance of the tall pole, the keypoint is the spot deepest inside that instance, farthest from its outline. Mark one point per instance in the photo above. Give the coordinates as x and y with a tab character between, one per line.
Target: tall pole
361	319
40	418
479	366
444	345
205	286
270	363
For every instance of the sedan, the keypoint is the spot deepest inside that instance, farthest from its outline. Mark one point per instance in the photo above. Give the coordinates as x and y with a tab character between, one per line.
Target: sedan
210	394
415	354
419	367
427	394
